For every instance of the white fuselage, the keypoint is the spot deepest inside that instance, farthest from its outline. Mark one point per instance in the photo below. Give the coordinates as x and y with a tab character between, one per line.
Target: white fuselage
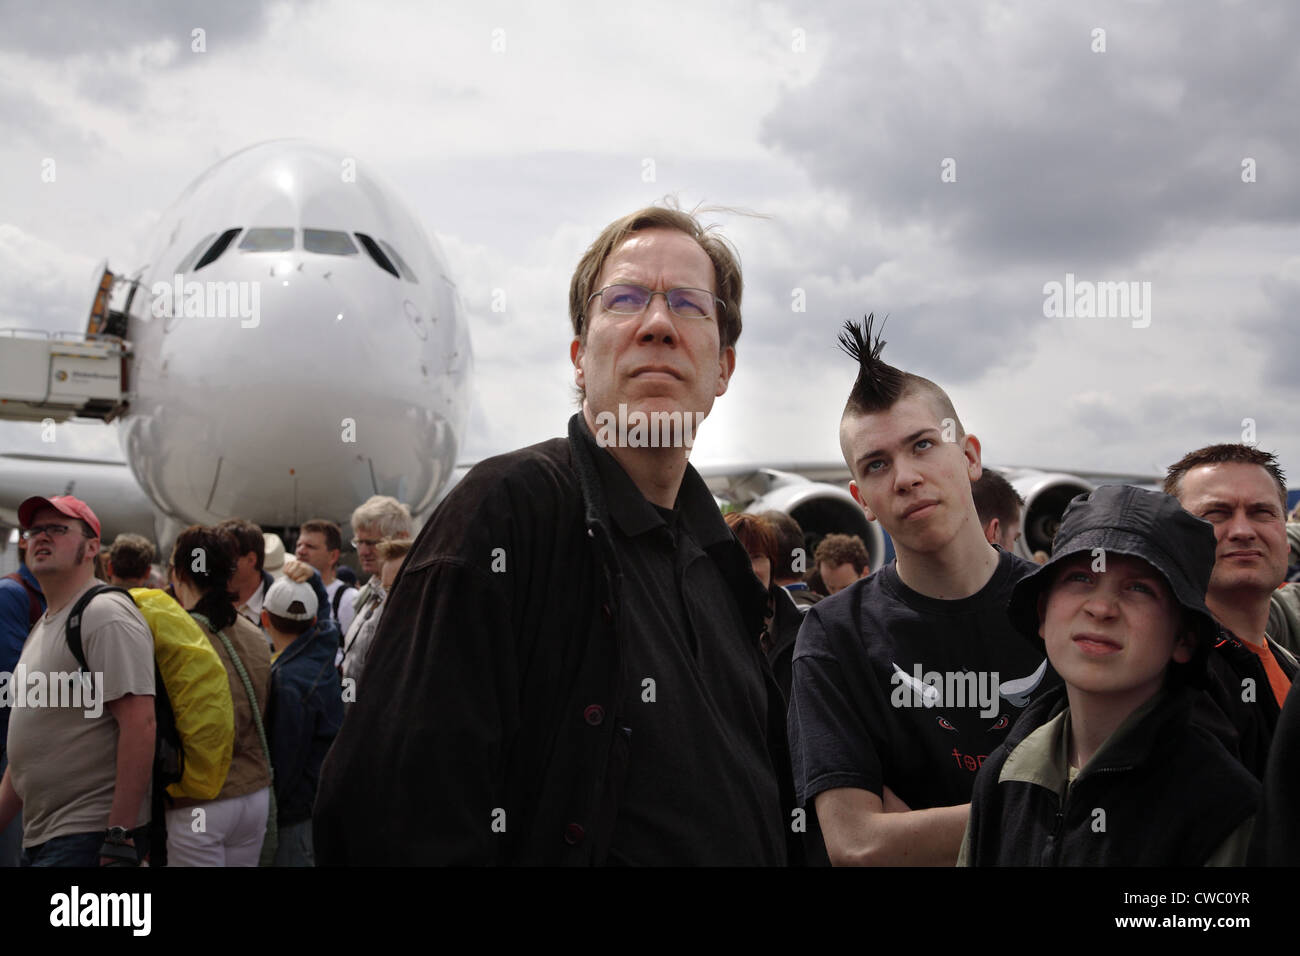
294	381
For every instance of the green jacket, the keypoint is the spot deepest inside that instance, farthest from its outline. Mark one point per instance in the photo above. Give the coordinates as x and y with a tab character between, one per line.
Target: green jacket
1159	792
1284	617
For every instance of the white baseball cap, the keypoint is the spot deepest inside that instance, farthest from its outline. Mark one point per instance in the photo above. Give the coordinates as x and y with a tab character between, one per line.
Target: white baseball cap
295	600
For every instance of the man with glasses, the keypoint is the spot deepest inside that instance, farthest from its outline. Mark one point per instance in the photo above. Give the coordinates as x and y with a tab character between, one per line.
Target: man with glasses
570	654
380	517
79	763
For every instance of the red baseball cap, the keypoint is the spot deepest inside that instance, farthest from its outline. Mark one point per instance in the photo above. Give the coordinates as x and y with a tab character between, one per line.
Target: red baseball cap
64	504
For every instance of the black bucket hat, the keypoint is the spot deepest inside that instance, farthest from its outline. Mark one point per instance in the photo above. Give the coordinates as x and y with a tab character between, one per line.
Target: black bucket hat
1123	519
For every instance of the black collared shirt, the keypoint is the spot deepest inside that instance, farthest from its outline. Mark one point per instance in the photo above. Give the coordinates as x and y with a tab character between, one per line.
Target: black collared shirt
700	788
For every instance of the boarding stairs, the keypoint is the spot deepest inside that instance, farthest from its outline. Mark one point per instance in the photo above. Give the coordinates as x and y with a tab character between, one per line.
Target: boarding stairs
61	375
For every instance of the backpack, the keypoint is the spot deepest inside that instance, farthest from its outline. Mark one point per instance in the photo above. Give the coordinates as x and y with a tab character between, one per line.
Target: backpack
193	708
338	598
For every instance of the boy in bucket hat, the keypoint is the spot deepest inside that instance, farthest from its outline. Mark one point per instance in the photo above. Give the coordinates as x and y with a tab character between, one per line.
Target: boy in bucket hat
1109	769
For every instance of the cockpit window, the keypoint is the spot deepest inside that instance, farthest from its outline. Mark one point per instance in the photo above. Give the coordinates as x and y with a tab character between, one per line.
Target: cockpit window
267	240
402	267
380	257
328	242
217	248
188	261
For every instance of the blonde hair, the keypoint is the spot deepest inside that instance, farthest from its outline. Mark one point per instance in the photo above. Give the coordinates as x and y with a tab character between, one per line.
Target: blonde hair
385	513
391	549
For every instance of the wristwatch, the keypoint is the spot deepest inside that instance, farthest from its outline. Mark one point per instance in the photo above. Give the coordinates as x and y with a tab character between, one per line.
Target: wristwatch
116	849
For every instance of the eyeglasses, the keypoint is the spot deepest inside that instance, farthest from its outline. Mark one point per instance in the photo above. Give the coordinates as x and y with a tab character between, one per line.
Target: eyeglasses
53	530
358	542
627	299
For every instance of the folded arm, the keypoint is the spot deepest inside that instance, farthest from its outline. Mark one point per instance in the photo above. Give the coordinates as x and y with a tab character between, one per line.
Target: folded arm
860	831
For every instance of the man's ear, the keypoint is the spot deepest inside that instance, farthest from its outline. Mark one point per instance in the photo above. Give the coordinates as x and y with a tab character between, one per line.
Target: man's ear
576	354
726	366
1184	646
992	530
857	496
970	446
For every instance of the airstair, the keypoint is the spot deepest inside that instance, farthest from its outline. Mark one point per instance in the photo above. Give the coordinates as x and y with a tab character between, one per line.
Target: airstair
62	375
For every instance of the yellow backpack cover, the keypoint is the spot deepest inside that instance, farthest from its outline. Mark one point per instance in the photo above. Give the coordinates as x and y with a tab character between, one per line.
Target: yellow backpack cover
199	690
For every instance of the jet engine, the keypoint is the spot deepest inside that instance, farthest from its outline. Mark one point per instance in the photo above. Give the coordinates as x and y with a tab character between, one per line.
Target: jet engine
820	509
1046	496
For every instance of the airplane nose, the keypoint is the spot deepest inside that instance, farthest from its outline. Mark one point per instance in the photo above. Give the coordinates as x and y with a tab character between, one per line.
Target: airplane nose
323	359
294	425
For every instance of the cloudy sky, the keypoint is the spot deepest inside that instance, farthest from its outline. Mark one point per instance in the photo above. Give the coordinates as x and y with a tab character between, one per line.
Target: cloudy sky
939	162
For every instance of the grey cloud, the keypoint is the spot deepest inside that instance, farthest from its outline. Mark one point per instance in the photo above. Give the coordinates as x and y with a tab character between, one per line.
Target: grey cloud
1276	332
1162	423
1063	155
69	29
41	286
29	120
116	88
952	341
95	40
953	333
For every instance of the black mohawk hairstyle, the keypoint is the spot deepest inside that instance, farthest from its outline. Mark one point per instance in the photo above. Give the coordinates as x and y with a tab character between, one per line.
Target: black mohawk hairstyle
879	384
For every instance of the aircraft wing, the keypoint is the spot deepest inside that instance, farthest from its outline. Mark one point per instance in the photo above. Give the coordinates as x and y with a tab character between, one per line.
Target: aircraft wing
816	495
107	486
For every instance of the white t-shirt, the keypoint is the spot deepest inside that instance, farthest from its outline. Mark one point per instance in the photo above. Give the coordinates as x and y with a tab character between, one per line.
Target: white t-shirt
346	611
62	746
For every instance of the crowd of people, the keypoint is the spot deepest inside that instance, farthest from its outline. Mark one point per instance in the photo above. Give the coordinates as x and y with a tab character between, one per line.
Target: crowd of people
288	637
584	662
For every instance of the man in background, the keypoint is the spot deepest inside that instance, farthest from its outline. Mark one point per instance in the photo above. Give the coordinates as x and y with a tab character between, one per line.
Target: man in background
320	543
999	506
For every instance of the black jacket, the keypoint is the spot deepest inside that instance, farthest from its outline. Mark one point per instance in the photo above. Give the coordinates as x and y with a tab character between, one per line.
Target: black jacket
1277	831
487	732
1168	792
1254	720
303	718
782	629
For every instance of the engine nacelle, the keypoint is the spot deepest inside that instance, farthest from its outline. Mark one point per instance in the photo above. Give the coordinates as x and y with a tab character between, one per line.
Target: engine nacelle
1046	497
820	509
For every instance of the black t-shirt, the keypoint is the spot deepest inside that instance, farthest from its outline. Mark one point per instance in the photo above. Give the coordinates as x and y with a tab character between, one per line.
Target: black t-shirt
700	786
893	688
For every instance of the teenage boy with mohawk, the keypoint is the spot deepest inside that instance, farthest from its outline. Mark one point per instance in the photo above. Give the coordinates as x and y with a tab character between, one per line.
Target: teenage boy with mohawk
906	680
1110	770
